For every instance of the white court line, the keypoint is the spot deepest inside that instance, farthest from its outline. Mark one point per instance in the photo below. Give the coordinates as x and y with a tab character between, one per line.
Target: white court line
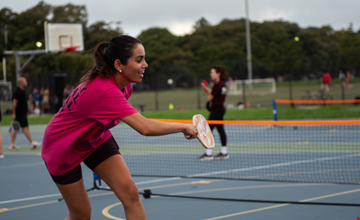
58	194
274	165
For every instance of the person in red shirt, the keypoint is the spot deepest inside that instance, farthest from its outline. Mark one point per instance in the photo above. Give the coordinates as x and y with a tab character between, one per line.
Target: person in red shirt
215	104
348	79
326	81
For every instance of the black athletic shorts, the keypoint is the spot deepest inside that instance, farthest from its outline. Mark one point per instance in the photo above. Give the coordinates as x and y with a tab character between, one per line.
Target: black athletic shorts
22	120
106	150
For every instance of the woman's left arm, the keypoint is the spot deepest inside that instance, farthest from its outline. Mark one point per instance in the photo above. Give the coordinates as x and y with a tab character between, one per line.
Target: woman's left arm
148	127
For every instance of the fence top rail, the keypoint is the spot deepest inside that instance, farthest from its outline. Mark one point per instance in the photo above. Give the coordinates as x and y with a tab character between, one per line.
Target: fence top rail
235	122
250	81
345	101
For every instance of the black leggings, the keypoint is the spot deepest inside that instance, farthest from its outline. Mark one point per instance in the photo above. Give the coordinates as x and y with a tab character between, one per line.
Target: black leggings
106	150
218	113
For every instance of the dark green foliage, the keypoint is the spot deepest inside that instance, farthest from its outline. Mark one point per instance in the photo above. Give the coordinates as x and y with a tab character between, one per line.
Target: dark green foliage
274	50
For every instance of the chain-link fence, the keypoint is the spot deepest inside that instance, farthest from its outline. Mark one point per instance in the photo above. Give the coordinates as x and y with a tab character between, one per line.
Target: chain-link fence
179	84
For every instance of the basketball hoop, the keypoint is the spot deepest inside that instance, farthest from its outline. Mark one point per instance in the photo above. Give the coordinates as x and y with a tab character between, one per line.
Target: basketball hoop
70	49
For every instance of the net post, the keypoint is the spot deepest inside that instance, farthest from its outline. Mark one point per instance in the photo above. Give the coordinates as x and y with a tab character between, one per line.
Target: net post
274	110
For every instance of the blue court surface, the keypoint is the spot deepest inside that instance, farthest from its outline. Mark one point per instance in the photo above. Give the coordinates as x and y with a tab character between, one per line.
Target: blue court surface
27	192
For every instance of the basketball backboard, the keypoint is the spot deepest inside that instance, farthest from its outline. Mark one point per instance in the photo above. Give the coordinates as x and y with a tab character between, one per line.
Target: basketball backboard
60	36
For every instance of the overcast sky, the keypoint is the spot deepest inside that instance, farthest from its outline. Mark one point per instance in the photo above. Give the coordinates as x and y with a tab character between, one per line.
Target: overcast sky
180	16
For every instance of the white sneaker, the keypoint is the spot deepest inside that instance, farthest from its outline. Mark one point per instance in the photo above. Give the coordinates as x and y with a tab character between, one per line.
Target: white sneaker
205	157
221	156
13	147
34	145
2	156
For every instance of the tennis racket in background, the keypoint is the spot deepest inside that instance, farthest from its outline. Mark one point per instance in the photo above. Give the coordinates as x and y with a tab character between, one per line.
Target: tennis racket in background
15	126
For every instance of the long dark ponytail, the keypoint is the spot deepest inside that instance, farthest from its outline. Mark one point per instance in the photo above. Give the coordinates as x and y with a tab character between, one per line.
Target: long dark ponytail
120	47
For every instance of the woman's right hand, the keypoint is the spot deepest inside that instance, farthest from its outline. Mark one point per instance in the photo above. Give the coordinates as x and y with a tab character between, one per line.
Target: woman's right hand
190	132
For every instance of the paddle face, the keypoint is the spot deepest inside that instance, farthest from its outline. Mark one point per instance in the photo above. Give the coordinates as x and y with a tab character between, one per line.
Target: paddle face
15	126
204	83
205	135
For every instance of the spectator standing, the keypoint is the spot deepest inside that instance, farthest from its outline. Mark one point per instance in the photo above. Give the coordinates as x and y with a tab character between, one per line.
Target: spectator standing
326	81
348	79
342	78
20	113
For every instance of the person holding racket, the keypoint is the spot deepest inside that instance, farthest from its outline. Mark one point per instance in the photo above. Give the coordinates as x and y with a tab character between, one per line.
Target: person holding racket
79	131
215	105
20	113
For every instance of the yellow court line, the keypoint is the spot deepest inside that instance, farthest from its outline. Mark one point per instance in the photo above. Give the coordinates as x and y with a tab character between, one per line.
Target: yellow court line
106	209
106	213
285	204
2	210
28	206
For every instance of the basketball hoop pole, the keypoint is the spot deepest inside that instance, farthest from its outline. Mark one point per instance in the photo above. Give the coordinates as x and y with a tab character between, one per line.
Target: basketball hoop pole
18	54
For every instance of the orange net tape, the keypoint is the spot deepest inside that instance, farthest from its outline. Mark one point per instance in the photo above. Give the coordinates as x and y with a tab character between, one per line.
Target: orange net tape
265	122
347	101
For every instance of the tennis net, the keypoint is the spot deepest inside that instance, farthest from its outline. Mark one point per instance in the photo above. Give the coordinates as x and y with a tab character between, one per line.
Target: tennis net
294	151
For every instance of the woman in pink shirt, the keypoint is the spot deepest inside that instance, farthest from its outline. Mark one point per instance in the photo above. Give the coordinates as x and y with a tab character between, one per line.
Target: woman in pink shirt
79	132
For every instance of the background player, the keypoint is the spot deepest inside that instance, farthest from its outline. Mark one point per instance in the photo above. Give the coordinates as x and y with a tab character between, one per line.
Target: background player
215	104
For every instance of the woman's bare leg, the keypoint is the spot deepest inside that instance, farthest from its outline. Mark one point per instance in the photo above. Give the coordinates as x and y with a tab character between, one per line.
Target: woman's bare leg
77	200
116	175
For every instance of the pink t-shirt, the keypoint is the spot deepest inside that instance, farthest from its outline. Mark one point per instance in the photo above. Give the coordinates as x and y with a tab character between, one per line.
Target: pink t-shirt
83	122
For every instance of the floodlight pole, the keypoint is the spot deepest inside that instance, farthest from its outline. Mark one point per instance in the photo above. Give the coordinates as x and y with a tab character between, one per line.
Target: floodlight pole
6	46
248	41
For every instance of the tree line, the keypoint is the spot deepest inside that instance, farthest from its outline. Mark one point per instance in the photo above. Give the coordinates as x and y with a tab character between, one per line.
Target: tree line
278	47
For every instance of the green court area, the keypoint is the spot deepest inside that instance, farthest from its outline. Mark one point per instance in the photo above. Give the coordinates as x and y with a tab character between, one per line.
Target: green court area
285	112
295	147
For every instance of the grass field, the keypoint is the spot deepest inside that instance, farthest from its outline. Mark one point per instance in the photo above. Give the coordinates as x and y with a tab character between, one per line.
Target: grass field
195	98
284	113
260	105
